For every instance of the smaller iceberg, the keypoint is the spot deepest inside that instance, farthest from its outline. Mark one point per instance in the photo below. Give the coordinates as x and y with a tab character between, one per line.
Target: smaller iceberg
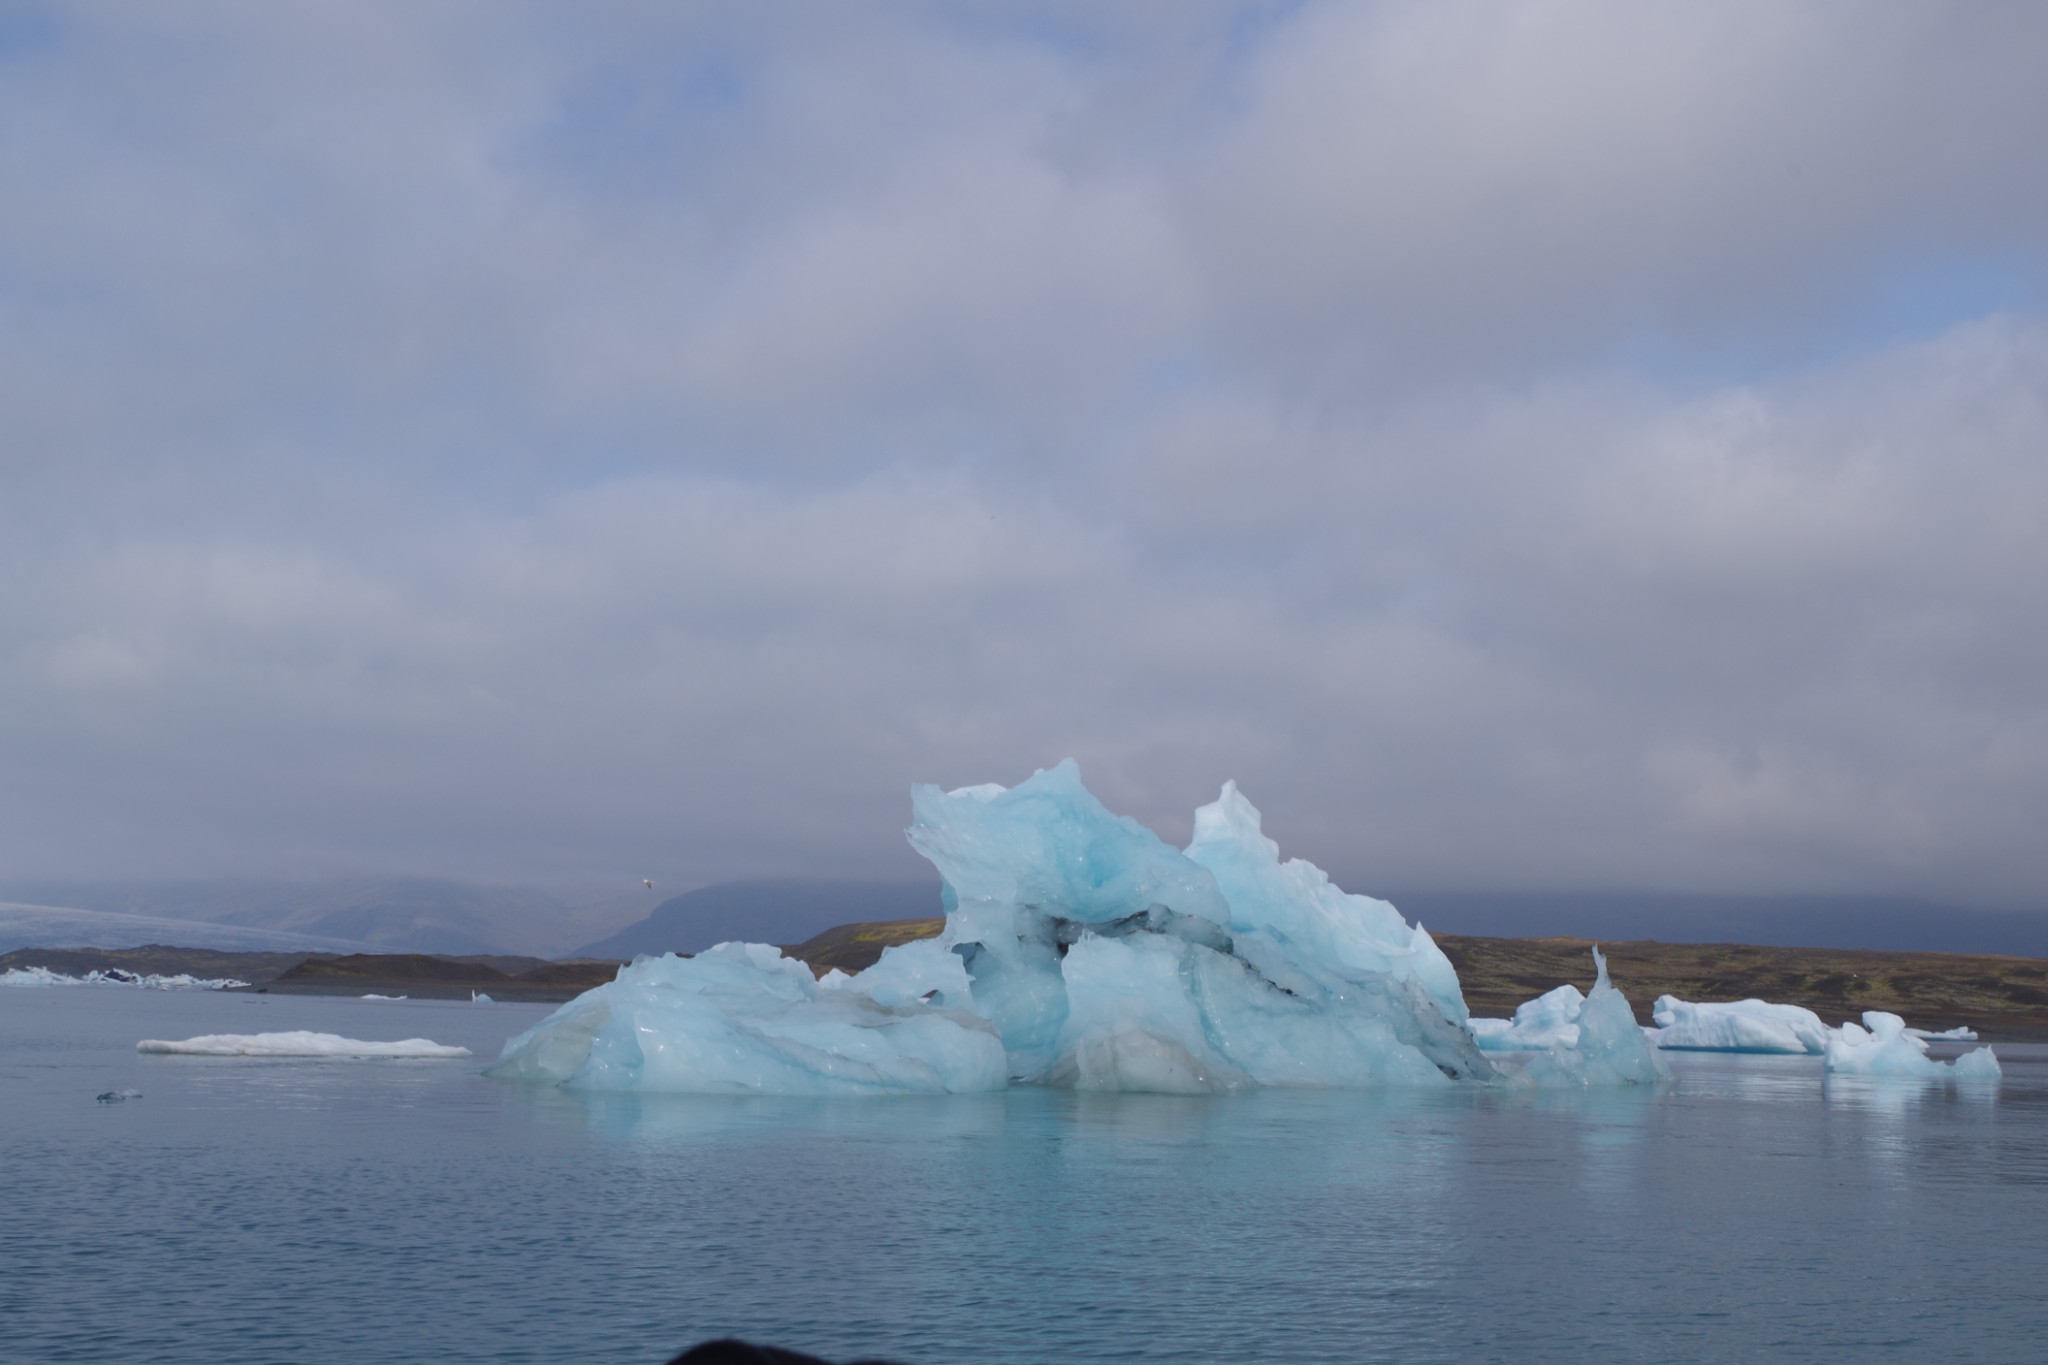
1883	1046
298	1044
115	976
1550	1020
1961	1033
1611	1048
38	976
1738	1026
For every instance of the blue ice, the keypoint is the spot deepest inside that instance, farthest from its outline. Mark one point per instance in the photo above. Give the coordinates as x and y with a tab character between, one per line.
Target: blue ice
1081	951
1550	1020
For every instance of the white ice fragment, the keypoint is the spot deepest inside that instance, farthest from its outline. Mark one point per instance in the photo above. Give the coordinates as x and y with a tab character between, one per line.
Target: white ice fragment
1961	1033
297	1044
383	997
985	791
1977	1064
1551	1019
1883	1046
1738	1026
477	997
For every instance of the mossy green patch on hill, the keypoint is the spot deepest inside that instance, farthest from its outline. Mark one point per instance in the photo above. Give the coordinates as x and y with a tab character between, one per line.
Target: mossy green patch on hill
853	947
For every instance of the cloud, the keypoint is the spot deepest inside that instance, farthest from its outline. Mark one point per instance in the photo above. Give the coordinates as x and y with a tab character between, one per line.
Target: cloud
1430	190
460	442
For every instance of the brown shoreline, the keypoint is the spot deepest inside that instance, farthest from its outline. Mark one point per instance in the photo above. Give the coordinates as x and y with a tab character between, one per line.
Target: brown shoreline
2002	998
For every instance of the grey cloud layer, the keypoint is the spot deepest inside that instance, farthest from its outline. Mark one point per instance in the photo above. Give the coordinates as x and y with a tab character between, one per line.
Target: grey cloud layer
466	441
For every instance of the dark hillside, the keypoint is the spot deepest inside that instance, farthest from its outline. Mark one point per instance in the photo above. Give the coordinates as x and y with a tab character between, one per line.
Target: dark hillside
786	911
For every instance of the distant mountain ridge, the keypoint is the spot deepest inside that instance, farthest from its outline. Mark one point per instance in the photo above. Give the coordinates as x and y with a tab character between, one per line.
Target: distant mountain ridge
58	926
394	913
784	910
446	917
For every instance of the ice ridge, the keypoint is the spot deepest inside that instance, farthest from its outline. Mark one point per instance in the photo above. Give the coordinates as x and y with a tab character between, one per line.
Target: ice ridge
1740	1026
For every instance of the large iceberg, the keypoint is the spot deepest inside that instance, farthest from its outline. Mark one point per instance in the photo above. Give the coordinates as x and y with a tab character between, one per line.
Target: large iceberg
1883	1046
1079	950
1738	1026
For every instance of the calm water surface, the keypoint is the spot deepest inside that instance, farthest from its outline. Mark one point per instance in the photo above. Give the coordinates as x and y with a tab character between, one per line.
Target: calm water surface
256	1210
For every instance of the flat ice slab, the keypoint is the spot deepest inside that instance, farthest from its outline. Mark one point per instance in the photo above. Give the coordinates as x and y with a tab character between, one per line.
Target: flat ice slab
1738	1026
297	1044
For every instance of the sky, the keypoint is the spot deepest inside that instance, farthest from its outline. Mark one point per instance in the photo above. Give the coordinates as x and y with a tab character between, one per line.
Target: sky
1577	446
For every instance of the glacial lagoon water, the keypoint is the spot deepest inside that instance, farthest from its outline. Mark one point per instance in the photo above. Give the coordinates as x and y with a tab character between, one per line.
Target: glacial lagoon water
253	1209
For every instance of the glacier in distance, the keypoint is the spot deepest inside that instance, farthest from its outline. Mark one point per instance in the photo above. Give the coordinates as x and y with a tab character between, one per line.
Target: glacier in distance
1081	951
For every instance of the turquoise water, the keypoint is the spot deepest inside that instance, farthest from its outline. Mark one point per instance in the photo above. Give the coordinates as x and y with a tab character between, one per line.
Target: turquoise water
255	1210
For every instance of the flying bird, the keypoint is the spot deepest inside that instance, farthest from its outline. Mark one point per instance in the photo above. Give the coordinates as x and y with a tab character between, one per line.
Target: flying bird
647	882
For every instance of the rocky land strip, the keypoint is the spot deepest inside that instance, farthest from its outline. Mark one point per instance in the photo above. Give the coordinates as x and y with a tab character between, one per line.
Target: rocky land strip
2003	998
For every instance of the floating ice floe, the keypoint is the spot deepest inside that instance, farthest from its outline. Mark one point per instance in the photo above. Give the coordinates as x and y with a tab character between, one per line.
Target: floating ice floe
115	976
1079	950
383	997
1738	1026
297	1044
1883	1046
